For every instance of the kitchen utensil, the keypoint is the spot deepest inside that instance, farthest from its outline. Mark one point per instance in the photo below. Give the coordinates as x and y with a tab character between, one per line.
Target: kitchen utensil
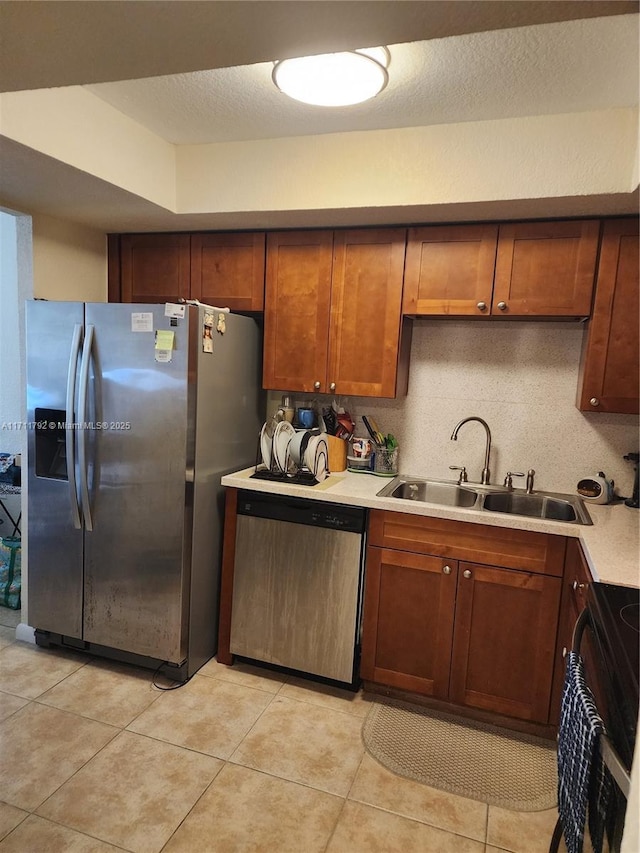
379	438
266	441
385	462
374	435
305	418
298	446
282	435
358	465
346	425
316	456
361	448
597	490
337	449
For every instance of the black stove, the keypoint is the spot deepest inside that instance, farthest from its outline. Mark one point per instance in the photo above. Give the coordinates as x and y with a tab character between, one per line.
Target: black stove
614	616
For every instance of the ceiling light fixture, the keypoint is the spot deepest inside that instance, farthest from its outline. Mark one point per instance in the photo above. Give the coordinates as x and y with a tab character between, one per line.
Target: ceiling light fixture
334	79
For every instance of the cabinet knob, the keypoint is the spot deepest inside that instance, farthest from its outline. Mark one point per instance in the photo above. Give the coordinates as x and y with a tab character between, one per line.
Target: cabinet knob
466	574
447	570
502	306
332	387
564	651
481	306
594	401
316	385
576	585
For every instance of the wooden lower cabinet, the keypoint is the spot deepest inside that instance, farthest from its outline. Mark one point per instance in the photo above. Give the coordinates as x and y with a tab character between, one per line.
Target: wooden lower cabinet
575	584
408	628
504	641
471	634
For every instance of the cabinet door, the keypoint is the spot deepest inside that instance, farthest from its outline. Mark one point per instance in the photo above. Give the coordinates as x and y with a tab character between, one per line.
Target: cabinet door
577	578
609	374
504	641
408	621
227	270
296	315
366	311
546	268
449	269
155	267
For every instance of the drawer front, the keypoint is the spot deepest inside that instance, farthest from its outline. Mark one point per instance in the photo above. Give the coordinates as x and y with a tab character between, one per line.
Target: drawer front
542	553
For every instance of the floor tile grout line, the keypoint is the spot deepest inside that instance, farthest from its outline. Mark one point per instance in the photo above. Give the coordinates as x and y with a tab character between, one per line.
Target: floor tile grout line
219	771
75	772
79	831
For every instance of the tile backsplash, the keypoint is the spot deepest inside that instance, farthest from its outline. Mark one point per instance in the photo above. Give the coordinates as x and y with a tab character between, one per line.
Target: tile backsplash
521	378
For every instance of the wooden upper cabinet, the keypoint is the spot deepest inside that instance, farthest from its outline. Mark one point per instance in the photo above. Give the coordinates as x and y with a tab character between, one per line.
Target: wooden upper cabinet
333	313
227	270
504	641
609	375
449	269
537	269
366	310
154	267
297	310
546	268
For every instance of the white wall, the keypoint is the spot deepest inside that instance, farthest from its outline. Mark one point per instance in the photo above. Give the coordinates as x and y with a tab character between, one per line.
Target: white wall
580	154
520	377
69	261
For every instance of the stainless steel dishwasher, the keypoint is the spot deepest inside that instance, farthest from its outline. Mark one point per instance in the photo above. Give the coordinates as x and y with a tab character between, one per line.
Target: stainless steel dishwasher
297	584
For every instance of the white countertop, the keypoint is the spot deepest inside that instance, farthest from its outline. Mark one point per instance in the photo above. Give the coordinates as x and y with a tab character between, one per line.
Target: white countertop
611	544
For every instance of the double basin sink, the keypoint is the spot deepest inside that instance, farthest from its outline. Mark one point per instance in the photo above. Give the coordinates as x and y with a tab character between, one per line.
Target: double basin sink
549	506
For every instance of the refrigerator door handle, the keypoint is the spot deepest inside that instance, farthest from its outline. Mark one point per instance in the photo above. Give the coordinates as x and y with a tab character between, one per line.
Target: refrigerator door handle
82	415
69	427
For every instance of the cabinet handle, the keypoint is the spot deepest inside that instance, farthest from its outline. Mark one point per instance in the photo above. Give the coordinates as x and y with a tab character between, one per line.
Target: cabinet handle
576	585
502	306
481	306
594	401
564	651
332	387
466	574
316	385
447	570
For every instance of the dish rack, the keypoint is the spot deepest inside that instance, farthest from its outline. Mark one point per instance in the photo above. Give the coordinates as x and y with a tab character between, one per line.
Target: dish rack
274	461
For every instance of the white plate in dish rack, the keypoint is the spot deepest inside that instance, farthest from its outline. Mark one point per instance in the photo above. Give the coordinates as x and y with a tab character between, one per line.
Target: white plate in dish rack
316	456
266	441
283	434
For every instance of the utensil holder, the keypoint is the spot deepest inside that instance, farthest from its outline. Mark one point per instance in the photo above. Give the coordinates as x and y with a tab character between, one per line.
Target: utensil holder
337	449
385	463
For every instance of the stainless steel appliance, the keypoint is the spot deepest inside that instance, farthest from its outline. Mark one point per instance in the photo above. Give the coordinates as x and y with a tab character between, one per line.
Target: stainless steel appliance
297	584
610	625
135	415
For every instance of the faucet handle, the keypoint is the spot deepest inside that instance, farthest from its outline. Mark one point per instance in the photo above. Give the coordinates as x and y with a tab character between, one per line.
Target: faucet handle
463	472
508	482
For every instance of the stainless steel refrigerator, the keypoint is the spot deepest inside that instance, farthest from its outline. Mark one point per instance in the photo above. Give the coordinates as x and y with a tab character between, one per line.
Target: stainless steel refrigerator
134	415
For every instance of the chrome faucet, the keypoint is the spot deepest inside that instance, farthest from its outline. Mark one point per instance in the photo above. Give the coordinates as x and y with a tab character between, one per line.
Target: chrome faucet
486	473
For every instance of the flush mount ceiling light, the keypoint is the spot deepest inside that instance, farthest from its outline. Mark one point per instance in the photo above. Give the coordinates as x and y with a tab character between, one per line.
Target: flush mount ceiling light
334	79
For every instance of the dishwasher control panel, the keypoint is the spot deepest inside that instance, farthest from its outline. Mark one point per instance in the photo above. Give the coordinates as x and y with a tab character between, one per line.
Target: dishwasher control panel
300	511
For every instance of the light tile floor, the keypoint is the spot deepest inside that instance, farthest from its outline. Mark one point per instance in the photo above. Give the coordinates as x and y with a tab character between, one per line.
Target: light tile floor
95	759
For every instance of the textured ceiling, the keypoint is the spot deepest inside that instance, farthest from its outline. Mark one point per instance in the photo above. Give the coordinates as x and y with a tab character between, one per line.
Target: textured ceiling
453	60
573	66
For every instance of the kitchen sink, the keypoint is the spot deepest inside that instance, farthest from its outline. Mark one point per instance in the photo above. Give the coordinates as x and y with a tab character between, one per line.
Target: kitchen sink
550	506
433	491
536	506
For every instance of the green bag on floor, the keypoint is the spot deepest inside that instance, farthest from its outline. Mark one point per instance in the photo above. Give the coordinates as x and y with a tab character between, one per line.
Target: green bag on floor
10	572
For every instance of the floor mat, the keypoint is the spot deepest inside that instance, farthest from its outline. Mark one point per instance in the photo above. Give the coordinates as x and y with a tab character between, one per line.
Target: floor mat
465	757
